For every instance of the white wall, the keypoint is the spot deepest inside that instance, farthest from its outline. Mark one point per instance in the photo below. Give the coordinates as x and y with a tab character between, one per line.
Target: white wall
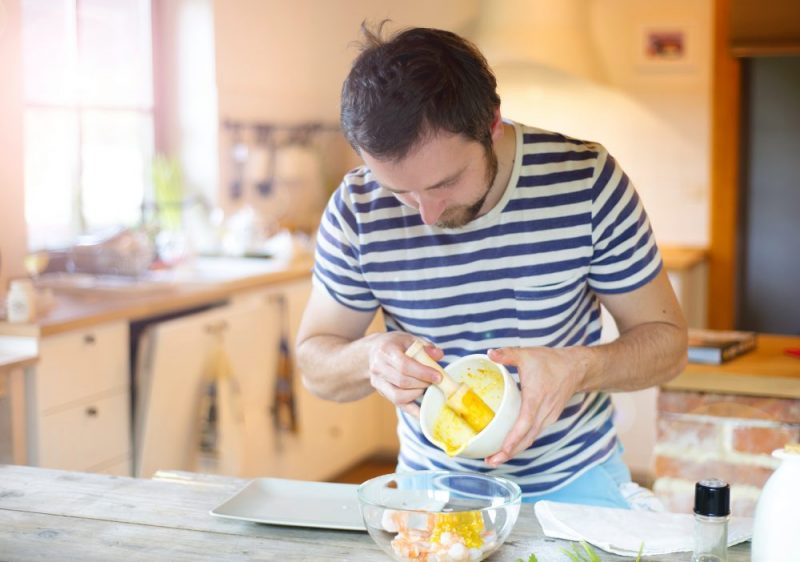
187	97
12	207
677	192
580	70
285	62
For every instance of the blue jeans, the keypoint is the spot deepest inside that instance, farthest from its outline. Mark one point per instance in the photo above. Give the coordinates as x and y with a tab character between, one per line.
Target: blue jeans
597	486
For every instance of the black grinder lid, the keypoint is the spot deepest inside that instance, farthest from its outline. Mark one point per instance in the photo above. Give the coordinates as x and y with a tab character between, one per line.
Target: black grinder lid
712	498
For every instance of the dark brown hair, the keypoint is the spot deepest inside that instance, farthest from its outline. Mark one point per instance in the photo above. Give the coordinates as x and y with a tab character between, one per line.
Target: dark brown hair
415	84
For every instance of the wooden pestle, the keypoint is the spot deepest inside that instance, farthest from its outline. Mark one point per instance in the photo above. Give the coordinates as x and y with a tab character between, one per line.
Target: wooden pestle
459	396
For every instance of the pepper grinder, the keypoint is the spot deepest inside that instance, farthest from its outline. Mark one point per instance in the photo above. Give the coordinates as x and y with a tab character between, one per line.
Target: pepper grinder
712	509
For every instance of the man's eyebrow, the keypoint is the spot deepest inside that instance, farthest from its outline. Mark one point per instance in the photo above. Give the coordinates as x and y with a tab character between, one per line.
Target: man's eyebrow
439	183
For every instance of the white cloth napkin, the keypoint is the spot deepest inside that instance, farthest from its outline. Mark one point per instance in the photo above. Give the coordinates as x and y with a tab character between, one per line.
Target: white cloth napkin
622	531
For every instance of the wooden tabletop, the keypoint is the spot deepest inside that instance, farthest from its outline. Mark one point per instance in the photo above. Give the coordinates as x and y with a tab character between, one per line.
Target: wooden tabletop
765	371
71	516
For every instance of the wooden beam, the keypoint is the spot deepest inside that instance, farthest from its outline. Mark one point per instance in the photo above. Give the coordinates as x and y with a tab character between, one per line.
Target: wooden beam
764	27
725	146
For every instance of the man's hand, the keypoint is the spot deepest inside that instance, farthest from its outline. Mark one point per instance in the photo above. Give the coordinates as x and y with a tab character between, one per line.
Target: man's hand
397	377
548	377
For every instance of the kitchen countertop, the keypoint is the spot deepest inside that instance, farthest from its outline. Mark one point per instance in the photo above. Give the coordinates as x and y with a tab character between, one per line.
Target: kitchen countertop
10	360
678	258
16	353
765	371
72	516
211	280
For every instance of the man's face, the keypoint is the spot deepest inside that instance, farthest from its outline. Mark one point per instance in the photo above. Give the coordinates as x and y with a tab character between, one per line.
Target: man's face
446	178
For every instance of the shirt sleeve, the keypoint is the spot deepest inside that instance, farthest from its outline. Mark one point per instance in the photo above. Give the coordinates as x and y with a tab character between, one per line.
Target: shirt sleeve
624	255
337	263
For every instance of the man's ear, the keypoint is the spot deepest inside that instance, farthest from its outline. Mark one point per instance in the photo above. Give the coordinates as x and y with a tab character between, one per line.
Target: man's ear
497	125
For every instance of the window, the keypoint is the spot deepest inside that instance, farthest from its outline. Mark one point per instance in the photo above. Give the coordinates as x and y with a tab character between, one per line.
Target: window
88	97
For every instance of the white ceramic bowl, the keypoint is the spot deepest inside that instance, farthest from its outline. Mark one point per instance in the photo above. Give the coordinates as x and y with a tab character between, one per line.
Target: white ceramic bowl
490	440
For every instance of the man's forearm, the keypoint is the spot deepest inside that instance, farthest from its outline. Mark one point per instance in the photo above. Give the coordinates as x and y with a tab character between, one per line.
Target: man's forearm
647	355
335	368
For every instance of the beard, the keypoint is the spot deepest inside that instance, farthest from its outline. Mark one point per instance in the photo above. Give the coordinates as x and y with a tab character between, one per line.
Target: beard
461	215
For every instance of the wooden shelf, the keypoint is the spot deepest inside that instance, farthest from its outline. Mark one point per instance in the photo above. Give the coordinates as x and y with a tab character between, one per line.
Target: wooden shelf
682	257
766	371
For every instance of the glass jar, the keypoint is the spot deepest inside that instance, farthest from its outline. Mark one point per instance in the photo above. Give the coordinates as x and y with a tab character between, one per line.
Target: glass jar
21	301
711	513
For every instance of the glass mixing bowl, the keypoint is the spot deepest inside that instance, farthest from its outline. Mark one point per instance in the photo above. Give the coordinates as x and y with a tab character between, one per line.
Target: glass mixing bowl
439	516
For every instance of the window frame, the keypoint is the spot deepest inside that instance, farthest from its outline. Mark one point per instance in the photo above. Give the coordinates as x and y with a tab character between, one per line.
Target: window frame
80	109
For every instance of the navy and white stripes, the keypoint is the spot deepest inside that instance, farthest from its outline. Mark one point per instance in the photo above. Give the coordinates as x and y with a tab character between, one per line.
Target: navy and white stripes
568	227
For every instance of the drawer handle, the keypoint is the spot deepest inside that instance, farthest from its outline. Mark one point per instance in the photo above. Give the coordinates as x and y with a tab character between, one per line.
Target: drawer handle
91	411
216	328
89	339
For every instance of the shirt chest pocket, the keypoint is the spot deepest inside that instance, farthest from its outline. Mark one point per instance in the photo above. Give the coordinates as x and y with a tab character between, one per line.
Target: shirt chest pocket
547	314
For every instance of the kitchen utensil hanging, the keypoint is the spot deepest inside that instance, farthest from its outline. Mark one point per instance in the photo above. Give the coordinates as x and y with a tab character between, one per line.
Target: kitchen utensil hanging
265	137
221	413
284	413
239	154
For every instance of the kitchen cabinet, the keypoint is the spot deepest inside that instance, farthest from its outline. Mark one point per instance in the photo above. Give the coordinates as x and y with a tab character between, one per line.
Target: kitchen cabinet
15	355
78	396
78	408
330	436
177	361
175	357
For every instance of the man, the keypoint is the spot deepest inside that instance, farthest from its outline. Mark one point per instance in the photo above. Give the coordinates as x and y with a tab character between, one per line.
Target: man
482	235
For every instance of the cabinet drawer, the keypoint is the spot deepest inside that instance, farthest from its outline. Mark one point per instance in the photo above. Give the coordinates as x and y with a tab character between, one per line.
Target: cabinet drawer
80	364
85	435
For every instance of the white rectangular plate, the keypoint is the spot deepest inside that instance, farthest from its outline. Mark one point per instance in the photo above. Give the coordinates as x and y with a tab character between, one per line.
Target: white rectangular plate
295	503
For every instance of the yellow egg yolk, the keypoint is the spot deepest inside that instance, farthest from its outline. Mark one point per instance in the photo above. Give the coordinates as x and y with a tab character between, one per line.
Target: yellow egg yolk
466	524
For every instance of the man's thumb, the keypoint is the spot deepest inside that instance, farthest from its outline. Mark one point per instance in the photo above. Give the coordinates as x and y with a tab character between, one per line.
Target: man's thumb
504	355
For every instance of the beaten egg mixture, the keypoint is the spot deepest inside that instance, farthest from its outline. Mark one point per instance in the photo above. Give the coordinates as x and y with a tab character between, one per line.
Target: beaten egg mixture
450	432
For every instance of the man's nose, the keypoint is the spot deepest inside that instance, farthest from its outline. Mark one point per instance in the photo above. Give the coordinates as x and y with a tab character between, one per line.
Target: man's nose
430	209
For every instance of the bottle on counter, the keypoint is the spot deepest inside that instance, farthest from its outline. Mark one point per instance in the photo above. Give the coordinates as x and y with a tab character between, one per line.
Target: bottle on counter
21	301
711	513
775	527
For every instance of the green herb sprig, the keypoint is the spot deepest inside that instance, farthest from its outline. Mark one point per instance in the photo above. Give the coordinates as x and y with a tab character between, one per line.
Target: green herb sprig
576	555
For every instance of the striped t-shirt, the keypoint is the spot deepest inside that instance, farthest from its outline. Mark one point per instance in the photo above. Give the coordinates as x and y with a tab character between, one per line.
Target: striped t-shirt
527	273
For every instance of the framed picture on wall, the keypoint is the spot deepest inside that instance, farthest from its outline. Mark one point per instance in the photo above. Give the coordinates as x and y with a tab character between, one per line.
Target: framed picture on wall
661	47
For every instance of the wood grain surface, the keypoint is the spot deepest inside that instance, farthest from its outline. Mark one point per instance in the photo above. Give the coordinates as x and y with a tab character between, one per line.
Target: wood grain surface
70	516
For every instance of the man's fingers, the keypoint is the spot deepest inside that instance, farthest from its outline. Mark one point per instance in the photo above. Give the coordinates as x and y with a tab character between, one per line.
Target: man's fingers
411	408
511	444
409	381
434	352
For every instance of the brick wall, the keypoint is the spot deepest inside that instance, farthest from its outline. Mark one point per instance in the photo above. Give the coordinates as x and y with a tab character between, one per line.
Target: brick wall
729	437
